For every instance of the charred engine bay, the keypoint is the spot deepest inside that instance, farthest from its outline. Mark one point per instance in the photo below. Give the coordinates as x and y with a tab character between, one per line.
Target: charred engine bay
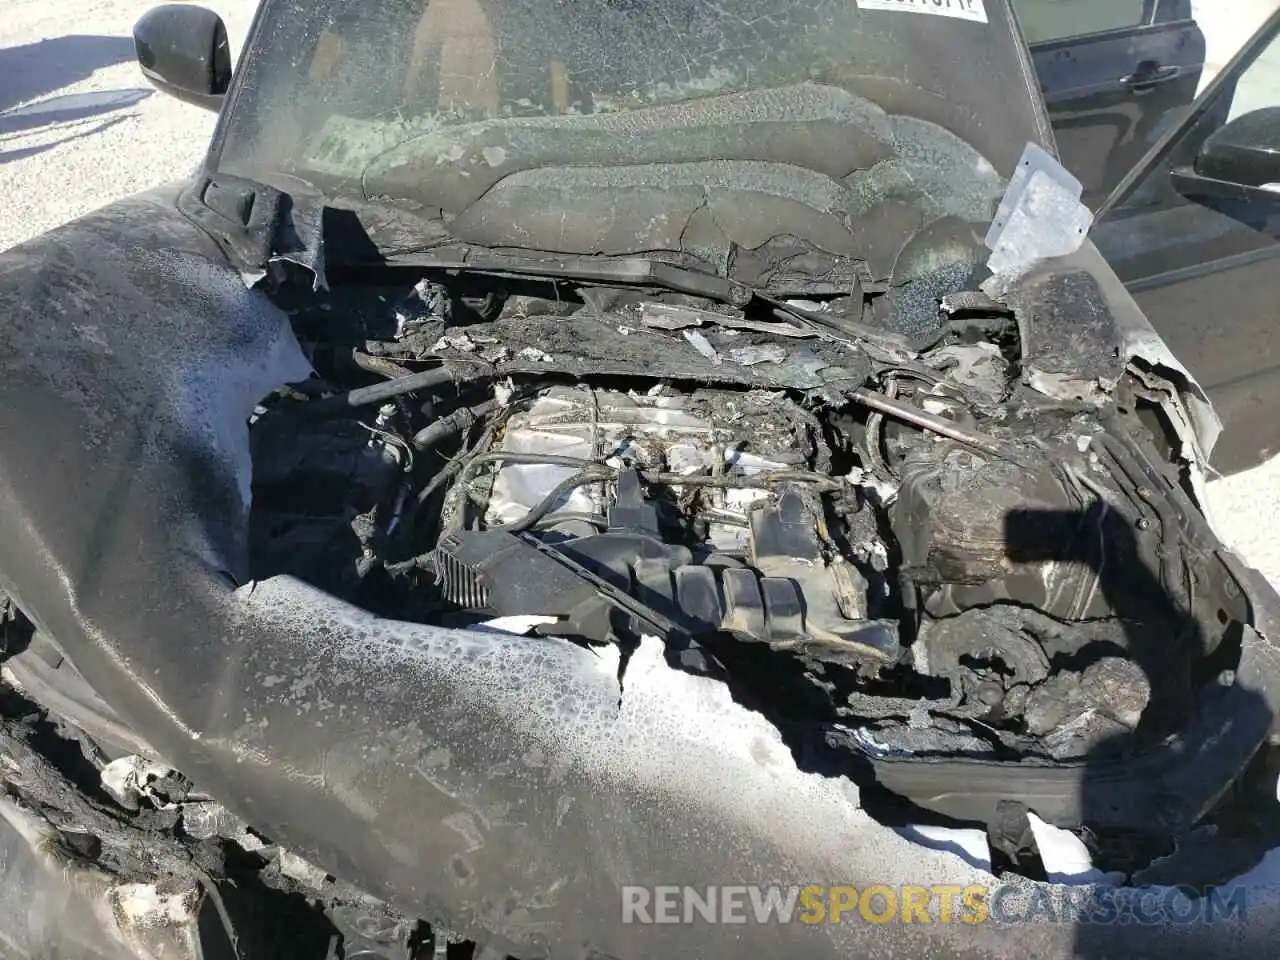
895	550
975	600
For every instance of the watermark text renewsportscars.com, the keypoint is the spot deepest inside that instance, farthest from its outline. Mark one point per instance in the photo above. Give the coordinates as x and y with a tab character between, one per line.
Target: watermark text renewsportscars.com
935	903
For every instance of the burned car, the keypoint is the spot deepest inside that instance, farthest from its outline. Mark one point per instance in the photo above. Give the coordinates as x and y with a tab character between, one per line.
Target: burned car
552	450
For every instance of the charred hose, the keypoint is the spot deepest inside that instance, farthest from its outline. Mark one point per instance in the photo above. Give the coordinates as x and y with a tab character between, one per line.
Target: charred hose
552	500
460	421
445	374
380	365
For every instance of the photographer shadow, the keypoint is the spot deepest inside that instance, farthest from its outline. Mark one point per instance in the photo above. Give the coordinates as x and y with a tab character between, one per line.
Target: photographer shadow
1146	796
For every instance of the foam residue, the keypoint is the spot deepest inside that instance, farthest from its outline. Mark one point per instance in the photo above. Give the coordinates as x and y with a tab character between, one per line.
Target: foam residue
216	392
1065	857
517	625
970	845
659	730
143	905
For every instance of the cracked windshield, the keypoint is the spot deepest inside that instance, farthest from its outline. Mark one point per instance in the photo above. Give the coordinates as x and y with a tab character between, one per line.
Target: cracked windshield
795	129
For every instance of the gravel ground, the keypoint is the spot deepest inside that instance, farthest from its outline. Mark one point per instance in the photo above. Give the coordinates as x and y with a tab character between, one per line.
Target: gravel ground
98	130
79	127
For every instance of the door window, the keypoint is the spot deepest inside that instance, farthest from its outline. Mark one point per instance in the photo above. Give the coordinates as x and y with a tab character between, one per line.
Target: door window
1115	74
1202	257
1044	20
1258	85
1250	85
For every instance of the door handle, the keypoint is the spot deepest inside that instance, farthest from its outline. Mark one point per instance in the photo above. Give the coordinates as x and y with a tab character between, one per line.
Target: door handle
1148	75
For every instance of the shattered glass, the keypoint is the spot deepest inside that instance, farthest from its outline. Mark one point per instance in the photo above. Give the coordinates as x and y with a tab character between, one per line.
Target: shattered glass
776	141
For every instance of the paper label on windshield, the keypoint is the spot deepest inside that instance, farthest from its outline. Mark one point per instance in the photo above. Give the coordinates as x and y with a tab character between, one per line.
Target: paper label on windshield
959	9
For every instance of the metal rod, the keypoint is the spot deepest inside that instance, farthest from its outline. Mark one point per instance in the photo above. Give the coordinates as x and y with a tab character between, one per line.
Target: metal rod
928	421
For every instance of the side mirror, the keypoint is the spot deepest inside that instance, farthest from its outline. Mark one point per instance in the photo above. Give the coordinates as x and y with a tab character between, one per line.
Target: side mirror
1245	151
183	51
1238	167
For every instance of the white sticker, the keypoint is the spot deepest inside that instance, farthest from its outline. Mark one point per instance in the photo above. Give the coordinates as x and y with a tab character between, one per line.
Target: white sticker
959	9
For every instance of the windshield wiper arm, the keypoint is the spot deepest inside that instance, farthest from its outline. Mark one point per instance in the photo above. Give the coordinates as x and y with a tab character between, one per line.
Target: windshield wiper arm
844	328
641	271
626	271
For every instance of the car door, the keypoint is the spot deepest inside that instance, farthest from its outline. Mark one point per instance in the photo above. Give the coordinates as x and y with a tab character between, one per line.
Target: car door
1202	257
1115	74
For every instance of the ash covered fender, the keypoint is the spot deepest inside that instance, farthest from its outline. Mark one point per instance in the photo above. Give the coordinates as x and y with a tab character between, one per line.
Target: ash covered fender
505	787
1081	331
1080	328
